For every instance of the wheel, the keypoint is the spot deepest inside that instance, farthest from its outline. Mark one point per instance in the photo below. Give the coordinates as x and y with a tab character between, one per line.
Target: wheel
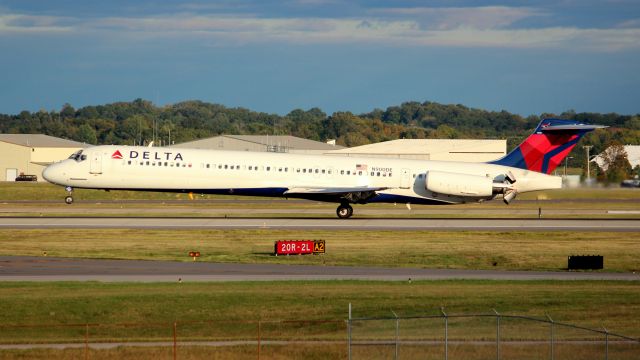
344	211
68	200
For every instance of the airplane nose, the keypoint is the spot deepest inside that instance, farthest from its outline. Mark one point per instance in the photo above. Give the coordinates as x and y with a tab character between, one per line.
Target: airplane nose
46	173
52	173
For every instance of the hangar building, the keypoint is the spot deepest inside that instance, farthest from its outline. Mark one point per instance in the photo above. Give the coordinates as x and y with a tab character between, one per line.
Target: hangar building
470	150
633	155
29	153
421	149
277	143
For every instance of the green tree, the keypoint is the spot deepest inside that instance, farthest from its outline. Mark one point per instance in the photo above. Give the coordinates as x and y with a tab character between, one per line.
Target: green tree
67	111
135	129
615	164
633	123
446	132
87	134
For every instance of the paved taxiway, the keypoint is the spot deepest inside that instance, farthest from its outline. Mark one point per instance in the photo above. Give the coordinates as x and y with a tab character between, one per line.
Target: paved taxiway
462	224
29	268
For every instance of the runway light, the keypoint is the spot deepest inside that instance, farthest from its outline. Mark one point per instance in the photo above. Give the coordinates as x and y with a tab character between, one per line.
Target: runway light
194	254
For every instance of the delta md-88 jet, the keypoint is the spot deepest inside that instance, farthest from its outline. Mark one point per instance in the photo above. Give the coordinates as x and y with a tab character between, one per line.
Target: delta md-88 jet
343	180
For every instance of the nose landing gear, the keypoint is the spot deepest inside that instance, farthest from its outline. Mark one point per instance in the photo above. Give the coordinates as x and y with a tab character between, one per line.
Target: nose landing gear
69	199
344	211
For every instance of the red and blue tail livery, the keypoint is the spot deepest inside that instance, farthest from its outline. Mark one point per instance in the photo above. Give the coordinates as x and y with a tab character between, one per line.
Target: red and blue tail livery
547	147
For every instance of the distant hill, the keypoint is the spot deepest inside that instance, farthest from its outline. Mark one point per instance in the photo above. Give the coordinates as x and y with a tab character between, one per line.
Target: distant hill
139	121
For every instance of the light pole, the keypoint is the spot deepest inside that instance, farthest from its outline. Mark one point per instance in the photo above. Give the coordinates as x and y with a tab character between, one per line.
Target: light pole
588	148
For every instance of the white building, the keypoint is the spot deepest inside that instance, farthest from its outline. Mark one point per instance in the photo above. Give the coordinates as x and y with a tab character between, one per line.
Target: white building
470	150
421	149
28	154
633	155
278	143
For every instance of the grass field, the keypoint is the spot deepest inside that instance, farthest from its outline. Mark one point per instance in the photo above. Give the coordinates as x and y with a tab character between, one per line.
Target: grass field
230	311
422	249
615	305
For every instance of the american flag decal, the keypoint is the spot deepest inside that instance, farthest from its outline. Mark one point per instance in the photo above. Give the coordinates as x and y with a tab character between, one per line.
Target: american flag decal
361	167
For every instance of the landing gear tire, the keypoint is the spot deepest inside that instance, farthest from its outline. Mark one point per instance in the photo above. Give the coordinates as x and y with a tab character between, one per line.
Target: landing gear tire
344	211
69	199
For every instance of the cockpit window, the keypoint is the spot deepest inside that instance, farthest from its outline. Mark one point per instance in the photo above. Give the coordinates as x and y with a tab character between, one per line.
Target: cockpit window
75	155
78	156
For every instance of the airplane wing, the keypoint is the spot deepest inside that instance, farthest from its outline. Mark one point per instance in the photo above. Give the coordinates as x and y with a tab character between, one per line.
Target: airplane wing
335	194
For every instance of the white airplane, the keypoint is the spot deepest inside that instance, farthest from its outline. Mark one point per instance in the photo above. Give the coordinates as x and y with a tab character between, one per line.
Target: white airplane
343	180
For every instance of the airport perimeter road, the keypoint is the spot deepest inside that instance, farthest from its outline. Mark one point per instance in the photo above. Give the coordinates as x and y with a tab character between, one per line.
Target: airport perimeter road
489	224
30	268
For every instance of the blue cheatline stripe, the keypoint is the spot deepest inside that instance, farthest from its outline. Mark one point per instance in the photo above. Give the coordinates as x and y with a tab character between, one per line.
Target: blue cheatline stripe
267	192
279	192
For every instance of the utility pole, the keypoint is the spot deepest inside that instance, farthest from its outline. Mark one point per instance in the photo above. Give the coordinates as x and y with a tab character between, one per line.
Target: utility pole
588	148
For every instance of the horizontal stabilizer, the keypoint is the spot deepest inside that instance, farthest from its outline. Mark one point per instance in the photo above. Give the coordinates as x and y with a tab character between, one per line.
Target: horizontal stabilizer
576	127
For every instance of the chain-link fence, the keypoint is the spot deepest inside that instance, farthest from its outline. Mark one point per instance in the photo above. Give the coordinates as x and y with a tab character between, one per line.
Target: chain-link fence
482	336
440	336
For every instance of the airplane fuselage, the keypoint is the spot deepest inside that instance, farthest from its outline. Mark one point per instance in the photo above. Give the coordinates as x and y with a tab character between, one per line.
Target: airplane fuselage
172	169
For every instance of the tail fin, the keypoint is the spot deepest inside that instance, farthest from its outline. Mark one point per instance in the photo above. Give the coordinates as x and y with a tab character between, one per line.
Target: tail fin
545	149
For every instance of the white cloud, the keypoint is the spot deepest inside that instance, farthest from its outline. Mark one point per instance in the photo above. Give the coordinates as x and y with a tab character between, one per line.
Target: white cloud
482	18
30	24
214	30
384	32
558	37
634	23
316	2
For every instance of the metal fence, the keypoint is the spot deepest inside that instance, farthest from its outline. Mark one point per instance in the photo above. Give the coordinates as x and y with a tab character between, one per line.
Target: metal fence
439	336
482	336
259	339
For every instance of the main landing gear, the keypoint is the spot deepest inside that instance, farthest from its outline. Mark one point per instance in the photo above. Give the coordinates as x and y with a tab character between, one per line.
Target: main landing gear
344	211
69	198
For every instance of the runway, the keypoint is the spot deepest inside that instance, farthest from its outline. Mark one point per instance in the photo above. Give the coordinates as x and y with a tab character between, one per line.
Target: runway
31	268
395	224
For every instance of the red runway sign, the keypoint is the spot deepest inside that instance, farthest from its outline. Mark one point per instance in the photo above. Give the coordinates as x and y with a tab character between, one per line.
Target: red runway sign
299	247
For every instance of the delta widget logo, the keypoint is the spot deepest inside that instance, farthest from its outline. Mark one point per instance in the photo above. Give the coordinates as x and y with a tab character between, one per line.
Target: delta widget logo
117	155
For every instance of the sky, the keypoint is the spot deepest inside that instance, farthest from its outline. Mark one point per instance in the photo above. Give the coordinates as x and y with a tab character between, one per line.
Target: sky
533	57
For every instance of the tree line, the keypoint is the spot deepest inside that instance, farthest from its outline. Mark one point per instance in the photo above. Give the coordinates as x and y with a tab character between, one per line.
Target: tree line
140	121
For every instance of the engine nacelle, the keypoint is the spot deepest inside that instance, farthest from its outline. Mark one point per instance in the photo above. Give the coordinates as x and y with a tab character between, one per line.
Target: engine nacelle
457	184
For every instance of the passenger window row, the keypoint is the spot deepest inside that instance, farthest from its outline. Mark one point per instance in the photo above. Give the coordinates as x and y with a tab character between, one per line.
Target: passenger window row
265	168
158	163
